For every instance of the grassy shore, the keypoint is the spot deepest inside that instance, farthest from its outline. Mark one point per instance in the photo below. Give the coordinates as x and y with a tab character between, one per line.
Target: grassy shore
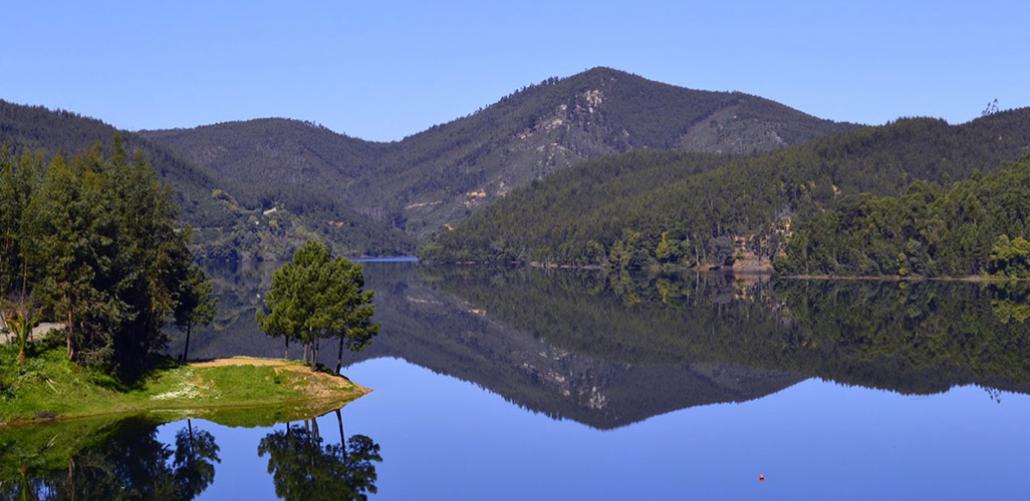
48	388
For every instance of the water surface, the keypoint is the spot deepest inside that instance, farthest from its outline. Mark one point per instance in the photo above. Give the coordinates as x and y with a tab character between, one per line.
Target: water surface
513	384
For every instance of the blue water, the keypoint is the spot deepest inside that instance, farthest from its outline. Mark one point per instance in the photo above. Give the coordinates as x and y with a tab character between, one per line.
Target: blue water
564	385
442	438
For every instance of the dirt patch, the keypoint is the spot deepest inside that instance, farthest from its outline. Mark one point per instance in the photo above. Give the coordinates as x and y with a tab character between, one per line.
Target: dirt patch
320	385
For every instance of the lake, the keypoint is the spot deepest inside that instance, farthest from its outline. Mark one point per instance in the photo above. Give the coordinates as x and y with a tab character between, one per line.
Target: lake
532	384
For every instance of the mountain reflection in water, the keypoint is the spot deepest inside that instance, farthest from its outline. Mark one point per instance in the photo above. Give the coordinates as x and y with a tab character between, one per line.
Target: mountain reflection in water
608	350
821	374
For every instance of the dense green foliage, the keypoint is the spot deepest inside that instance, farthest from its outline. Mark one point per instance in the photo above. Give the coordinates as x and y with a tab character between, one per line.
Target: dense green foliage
35	128
580	217
95	243
423	181
974	227
316	296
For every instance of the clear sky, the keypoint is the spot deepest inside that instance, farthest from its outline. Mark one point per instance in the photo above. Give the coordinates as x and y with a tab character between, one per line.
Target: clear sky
385	69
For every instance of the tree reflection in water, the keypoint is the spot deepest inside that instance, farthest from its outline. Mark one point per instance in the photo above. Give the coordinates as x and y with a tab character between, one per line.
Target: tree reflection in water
303	469
129	463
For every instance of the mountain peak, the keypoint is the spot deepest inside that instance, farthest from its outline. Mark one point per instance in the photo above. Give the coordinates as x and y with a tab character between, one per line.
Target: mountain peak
443	174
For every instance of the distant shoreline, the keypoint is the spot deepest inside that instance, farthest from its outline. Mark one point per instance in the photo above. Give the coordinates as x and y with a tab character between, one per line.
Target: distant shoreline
761	273
387	259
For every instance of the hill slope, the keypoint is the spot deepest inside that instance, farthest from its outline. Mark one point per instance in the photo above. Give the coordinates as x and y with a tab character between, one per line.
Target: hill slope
617	210
37	128
445	173
229	222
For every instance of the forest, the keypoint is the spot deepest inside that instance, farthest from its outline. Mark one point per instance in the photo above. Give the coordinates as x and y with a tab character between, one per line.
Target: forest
94	242
646	211
975	227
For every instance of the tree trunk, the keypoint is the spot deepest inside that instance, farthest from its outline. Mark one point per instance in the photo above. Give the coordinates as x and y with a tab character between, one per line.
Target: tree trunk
314	357
21	351
339	357
186	349
305	353
286	351
69	334
71	478
24	470
339	422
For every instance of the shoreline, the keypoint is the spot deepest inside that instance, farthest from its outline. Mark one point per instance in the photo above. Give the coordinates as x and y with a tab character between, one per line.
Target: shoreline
746	273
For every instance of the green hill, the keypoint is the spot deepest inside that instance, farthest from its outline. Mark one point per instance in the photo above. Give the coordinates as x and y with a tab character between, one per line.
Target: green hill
635	211
442	175
229	222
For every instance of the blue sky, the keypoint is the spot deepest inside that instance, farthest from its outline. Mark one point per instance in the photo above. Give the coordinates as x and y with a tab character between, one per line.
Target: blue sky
385	69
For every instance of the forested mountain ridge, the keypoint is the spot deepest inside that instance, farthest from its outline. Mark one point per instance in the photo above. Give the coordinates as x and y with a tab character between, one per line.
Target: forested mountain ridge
975	227
443	174
32	128
675	216
228	222
309	164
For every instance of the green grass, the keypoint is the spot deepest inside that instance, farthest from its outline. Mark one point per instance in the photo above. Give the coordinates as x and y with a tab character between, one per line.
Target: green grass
49	387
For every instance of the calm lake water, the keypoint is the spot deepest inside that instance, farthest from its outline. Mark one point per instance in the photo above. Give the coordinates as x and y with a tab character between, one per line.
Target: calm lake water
525	384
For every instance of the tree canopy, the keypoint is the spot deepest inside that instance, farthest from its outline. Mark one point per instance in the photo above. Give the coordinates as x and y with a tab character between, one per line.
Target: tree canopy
95	242
974	227
317	296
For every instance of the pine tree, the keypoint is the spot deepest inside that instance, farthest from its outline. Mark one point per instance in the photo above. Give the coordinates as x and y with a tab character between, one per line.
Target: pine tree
60	252
315	296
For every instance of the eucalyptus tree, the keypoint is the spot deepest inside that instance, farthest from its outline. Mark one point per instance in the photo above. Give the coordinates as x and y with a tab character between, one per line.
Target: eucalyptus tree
99	247
58	221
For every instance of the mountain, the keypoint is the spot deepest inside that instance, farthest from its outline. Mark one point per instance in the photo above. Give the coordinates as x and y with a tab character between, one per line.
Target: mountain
309	164
443	174
638	210
32	128
229	222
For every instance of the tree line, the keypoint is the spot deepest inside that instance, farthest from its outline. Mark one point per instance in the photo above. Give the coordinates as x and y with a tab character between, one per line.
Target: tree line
93	242
649	210
978	226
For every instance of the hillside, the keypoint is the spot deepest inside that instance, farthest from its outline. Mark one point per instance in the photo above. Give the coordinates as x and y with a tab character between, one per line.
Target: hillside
309	164
976	227
228	221
447	172
670	216
31	128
